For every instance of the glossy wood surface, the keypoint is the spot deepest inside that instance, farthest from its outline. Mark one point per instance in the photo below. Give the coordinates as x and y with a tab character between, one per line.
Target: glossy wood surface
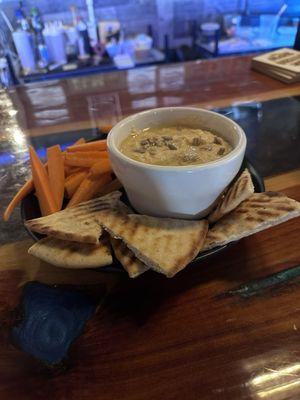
227	328
57	106
197	335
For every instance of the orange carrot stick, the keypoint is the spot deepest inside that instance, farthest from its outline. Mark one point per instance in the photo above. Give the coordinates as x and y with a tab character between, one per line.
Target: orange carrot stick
23	192
97	145
115	184
56	174
79	141
82	159
67	170
105	128
104	154
85	154
88	189
100	167
72	170
73	181
42	184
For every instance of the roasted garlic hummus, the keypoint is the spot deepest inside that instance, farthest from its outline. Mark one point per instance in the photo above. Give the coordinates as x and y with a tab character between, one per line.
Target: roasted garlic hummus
174	146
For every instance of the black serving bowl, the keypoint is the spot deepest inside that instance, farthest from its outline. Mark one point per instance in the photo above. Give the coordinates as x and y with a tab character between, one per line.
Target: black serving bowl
30	209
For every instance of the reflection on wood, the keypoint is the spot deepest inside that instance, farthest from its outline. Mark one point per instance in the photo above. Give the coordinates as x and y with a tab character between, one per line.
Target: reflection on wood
17	258
202	83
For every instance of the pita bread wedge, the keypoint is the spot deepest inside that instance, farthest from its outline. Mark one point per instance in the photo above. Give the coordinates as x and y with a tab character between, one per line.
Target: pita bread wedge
76	223
163	244
241	189
260	211
71	254
132	265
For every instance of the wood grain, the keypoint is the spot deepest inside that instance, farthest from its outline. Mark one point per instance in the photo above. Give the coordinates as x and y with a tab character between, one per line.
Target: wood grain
283	181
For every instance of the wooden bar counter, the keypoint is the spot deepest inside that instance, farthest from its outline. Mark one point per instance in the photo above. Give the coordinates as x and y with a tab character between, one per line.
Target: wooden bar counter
56	106
227	328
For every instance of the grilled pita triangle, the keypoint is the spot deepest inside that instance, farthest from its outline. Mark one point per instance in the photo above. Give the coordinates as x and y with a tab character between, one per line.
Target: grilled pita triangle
72	254
241	189
130	262
163	244
76	223
259	212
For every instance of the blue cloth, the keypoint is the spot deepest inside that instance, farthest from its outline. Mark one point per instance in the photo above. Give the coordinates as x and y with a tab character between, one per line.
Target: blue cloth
53	318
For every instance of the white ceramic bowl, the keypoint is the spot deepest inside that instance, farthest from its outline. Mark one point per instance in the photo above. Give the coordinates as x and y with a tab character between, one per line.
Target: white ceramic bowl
176	191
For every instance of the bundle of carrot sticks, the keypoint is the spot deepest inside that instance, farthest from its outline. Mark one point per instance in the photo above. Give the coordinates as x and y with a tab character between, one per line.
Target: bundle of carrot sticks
78	174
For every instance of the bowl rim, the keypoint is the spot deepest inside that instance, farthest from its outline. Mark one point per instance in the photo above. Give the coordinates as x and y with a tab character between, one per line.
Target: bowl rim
239	148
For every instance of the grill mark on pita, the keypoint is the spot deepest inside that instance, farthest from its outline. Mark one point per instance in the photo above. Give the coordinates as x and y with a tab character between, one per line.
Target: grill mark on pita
97	207
131	257
228	198
258	199
152	248
232	194
241	189
267	213
242	185
254	205
274	194
91	214
213	236
254	219
111	196
189	256
195	247
259	212
66	232
127	258
134	228
240	210
124	220
284	208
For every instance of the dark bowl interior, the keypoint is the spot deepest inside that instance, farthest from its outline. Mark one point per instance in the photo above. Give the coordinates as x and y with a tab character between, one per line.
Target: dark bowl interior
30	209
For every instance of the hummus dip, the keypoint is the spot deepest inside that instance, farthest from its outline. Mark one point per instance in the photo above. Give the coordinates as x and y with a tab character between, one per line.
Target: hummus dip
174	145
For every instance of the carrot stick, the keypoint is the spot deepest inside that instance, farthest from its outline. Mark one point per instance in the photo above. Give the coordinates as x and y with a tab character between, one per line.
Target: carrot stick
105	128
115	184
79	141
97	145
80	162
73	181
104	154
85	154
67	170
100	167
72	170
88	189
23	192
83	159
42	184
56	174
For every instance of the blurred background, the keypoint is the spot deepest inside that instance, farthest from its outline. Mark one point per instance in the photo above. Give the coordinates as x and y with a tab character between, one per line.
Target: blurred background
42	39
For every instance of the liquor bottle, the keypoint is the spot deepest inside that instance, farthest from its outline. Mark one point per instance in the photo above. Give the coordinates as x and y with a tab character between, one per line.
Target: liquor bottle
21	19
23	38
85	49
41	48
